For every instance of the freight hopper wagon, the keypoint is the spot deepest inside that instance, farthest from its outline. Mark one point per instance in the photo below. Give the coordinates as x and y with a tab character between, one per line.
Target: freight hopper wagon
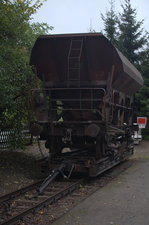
84	109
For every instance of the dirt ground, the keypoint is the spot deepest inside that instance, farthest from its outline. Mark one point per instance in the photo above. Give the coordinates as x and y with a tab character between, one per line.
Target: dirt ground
19	168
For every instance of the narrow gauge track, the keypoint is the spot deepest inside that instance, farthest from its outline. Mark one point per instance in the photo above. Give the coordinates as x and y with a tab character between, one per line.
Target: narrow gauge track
16	205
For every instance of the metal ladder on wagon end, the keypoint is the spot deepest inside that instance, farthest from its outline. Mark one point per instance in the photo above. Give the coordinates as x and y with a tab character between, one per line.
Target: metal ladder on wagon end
74	58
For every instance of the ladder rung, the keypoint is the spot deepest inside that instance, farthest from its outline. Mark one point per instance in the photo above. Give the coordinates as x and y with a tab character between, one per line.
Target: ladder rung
74	60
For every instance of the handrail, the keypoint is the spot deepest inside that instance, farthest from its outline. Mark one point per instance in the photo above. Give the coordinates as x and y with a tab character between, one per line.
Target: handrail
89	99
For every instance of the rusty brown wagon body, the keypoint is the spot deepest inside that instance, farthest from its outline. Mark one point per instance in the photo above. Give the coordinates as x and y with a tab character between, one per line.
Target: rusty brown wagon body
86	101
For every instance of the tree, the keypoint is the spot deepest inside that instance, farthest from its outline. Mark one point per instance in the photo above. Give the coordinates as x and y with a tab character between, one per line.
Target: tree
17	37
110	24
142	97
132	41
132	37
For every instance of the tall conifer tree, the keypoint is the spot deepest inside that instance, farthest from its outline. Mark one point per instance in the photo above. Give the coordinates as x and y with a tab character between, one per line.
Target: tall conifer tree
132	37
132	41
110	24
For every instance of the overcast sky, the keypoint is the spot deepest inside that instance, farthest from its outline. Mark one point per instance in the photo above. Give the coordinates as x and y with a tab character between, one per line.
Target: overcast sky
77	16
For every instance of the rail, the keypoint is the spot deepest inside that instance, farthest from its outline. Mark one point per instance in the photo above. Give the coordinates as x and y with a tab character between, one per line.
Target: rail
21	204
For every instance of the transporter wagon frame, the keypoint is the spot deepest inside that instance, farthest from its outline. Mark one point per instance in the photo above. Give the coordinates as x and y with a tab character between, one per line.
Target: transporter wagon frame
84	110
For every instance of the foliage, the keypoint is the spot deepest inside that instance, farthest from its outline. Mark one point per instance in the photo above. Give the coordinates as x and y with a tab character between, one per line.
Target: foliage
142	97
132	41
125	32
110	24
17	37
131	37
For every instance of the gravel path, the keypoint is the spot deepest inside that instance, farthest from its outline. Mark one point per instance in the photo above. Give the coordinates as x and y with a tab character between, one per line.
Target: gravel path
124	201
